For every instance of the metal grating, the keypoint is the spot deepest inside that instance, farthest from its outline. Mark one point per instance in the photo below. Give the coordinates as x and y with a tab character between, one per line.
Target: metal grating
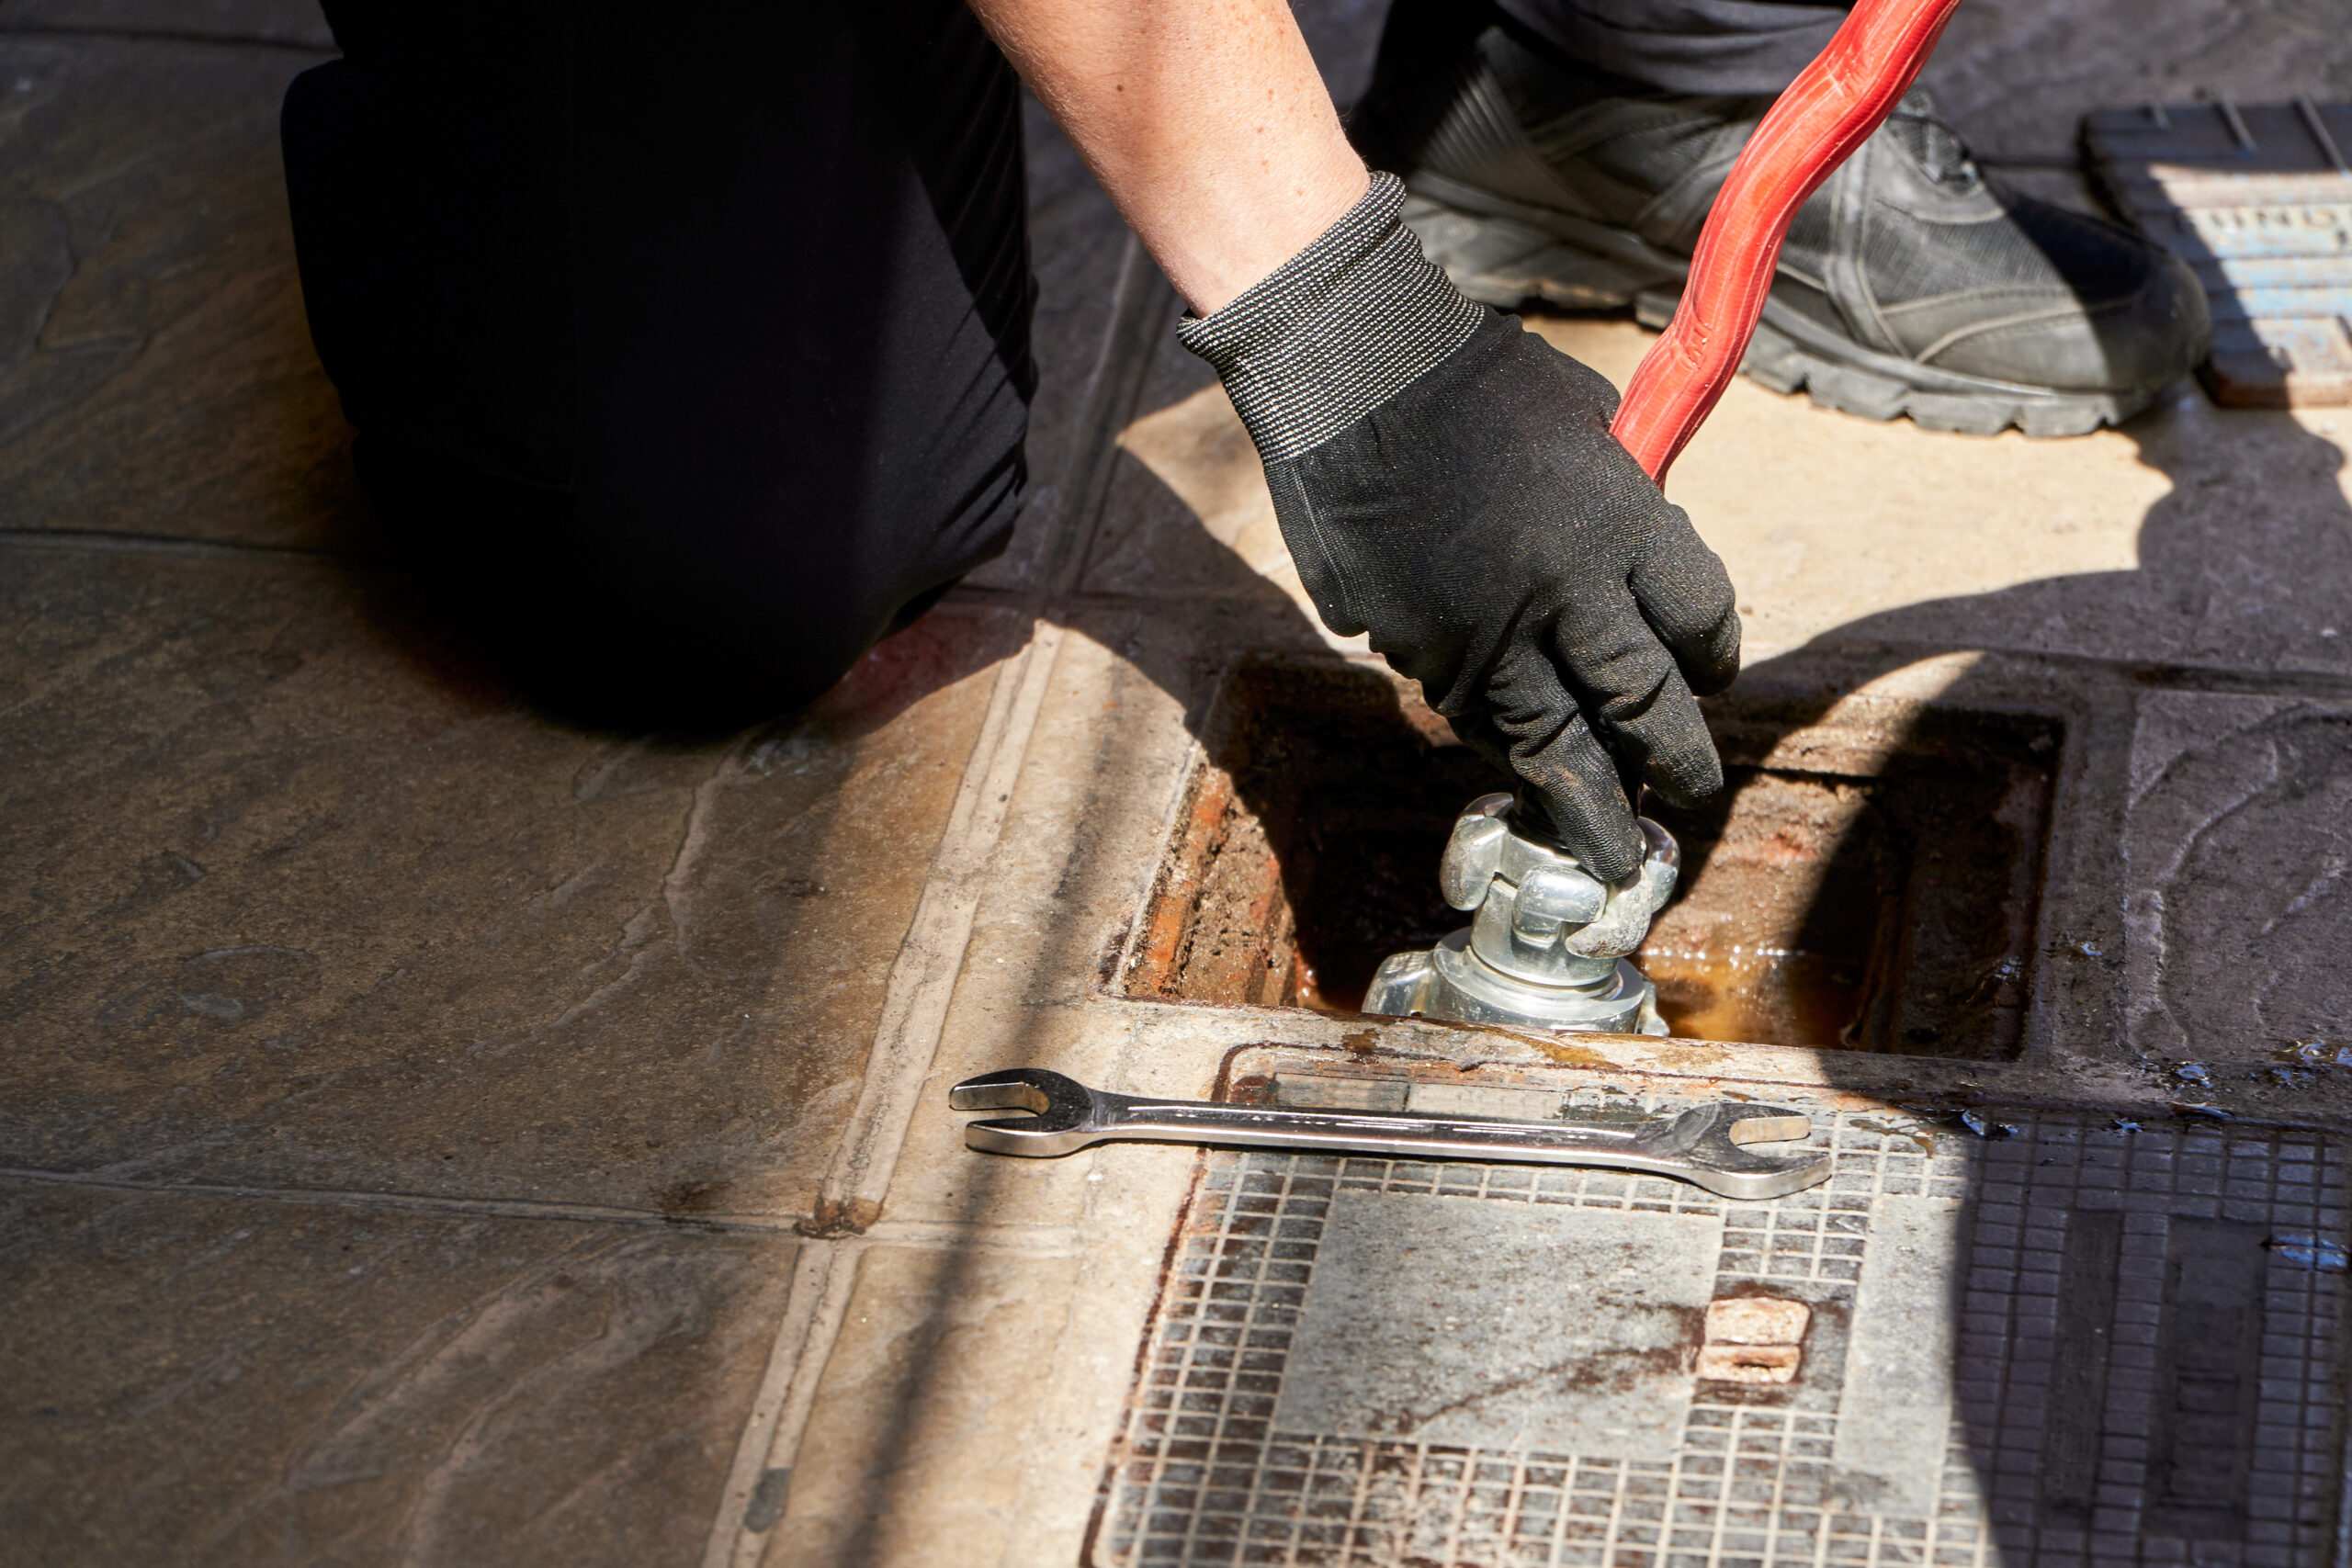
2128	1375
2259	199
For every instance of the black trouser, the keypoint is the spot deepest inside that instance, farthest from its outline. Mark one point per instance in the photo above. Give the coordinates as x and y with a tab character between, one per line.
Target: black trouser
690	345
1687	46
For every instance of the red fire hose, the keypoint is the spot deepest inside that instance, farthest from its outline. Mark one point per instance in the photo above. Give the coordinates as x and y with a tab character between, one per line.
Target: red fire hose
1830	109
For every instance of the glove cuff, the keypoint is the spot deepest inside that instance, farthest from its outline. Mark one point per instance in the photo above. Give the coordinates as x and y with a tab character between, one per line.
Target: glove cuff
1336	331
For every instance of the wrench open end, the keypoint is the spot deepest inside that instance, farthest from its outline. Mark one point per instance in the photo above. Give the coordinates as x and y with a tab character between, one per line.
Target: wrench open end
1065	1117
1014	1088
1768	1124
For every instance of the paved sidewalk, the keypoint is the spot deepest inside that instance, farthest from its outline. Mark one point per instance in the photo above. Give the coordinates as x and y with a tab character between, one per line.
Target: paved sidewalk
433	1132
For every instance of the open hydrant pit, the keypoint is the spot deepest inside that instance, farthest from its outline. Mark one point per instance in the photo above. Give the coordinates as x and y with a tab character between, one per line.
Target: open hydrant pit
1867	880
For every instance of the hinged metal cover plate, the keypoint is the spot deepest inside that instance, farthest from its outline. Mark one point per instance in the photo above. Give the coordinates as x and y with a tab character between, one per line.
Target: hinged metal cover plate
2259	199
2067	1342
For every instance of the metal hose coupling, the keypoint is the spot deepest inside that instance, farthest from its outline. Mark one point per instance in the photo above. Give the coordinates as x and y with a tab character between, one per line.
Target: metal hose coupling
1547	944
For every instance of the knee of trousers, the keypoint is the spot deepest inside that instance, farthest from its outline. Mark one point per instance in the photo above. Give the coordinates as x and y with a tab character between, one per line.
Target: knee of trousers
672	614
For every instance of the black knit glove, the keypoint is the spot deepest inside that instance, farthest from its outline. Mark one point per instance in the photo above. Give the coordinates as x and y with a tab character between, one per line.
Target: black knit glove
1448	483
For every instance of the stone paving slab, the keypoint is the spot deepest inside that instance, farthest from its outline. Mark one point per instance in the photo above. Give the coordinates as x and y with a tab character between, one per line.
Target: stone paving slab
156	375
2201	537
972	1388
2239	897
1081	842
195	1380
300	895
938	1355
2016	75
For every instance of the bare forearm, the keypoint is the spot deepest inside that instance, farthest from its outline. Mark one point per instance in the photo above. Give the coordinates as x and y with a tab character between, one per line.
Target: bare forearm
1204	120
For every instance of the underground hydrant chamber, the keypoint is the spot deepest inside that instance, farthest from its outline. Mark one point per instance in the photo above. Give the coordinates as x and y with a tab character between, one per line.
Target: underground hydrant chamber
1867	880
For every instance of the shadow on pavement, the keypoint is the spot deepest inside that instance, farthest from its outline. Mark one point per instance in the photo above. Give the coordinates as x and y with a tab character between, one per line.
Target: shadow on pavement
2103	1332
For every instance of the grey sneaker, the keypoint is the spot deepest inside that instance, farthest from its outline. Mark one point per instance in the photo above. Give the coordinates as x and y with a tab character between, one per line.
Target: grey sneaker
1910	282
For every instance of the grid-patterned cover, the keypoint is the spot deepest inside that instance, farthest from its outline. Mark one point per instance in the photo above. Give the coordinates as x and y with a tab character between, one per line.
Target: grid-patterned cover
2258	197
2127	1428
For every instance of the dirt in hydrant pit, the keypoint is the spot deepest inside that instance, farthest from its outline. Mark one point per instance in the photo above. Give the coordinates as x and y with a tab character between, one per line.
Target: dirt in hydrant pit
1307	848
1887	905
1887	914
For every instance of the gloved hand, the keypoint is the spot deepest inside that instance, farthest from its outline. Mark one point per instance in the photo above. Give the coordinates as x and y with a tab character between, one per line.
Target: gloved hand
1448	483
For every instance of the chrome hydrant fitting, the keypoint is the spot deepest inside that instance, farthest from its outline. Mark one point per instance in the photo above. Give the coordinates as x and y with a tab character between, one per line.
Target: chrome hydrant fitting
1547	944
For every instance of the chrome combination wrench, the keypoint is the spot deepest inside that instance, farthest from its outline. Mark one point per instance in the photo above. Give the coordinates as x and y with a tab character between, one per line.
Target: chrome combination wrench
1708	1144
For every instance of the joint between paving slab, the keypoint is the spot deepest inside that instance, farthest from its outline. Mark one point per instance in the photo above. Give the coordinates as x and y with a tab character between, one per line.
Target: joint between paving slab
1030	1240
143	35
822	1276
2150	674
107	541
930	959
412	1202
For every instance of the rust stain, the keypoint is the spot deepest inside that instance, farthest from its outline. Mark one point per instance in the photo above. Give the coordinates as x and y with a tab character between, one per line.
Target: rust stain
1251	1089
834	1218
1766	1364
1613	1370
682	1198
1106	966
1170	918
1569	1055
1753	1341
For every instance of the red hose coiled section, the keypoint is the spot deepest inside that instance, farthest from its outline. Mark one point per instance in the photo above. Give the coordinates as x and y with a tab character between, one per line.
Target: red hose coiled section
1830	109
